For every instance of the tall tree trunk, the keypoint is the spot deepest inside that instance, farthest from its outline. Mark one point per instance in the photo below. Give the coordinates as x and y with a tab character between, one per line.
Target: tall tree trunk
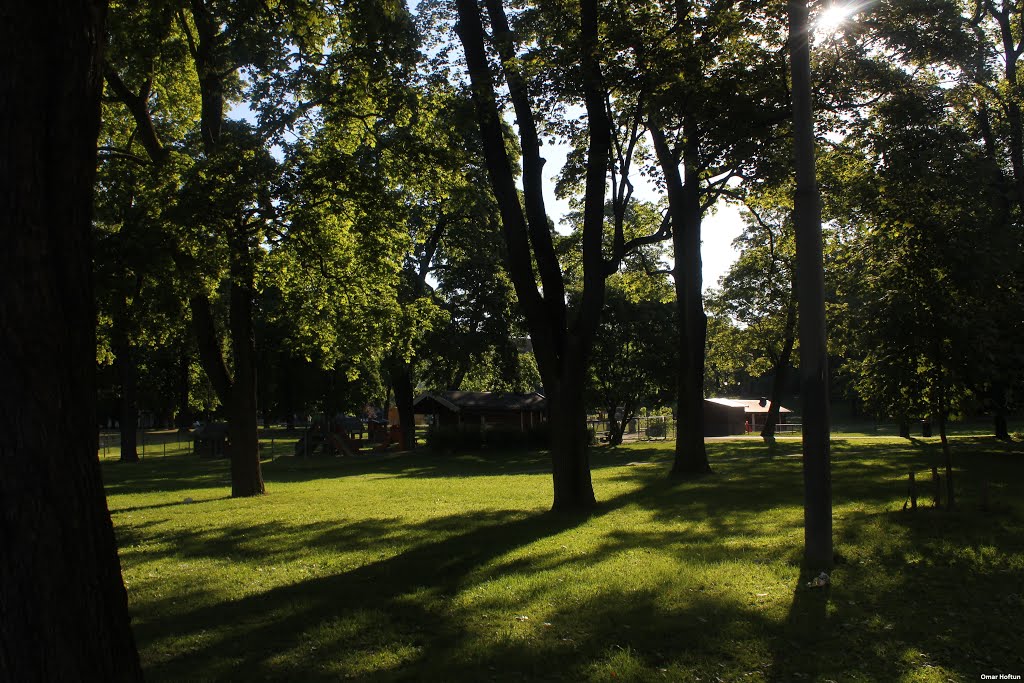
127	374
243	420
63	604
811	300
570	459
1000	427
686	215
184	417
781	374
562	350
401	384
615	426
941	411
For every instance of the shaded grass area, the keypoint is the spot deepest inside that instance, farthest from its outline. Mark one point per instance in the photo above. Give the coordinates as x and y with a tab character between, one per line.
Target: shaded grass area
441	568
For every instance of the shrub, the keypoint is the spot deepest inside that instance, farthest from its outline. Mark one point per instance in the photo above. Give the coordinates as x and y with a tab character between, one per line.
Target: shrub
657	430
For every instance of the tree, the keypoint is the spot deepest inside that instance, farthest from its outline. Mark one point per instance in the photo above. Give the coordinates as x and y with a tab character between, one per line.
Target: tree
759	292
810	290
309	66
710	86
633	363
61	593
562	346
930	263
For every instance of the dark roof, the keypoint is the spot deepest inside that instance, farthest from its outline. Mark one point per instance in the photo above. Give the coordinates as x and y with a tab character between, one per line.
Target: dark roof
457	401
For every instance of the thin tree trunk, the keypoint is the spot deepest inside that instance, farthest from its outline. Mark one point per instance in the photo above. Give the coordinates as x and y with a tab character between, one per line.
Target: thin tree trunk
184	418
401	383
781	374
127	372
243	419
811	300
686	213
941	411
63	603
615	426
127	375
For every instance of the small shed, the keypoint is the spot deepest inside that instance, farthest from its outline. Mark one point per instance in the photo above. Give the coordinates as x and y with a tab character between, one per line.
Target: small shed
723	417
483	410
728	416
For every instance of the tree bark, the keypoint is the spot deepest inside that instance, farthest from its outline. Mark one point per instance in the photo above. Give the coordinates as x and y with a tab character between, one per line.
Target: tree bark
781	374
127	374
561	350
184	417
570	459
686	215
63	604
401	384
811	300
243	419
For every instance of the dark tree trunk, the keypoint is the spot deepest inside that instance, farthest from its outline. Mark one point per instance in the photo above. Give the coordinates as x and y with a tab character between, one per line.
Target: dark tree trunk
184	418
570	458
686	214
128	372
243	419
63	604
616	427
562	350
941	412
811	301
127	375
781	375
401	384
1001	428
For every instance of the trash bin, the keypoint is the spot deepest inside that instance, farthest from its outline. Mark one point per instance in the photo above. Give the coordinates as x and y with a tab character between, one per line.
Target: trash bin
926	427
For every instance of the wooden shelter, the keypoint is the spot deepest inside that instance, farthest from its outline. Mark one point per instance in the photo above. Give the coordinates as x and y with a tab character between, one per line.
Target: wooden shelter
483	410
729	416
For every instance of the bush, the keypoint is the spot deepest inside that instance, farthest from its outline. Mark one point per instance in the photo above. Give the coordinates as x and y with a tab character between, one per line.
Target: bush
657	430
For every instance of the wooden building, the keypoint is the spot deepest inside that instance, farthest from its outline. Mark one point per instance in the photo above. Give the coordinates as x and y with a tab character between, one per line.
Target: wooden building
483	410
730	416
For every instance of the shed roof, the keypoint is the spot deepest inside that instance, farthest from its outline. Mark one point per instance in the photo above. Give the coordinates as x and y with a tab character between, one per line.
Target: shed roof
457	401
749	405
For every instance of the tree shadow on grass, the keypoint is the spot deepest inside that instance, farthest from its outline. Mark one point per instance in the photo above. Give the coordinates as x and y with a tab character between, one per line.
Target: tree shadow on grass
406	617
919	590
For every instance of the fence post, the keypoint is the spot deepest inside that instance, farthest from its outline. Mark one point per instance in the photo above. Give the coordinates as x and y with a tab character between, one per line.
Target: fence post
937	482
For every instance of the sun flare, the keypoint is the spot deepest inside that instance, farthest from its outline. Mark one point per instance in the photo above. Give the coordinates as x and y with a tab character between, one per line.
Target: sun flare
831	19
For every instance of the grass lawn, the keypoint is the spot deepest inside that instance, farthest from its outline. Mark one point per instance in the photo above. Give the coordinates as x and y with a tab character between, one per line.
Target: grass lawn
442	568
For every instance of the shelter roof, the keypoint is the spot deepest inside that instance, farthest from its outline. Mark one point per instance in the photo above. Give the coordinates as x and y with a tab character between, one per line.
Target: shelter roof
749	405
457	401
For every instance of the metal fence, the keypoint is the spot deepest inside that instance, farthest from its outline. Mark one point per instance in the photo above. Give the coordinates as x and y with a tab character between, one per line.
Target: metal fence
163	443
638	429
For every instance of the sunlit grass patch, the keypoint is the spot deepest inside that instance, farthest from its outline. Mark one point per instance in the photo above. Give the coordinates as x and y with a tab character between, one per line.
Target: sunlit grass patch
425	567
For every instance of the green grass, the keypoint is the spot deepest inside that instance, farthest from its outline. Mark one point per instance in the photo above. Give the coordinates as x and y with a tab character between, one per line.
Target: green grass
430	568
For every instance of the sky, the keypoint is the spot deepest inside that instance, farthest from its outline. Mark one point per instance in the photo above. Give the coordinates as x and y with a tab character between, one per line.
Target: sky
717	232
